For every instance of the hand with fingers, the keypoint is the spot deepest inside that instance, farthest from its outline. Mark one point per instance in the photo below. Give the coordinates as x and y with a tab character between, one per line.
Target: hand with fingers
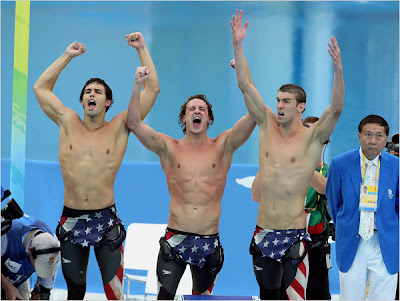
238	32
75	49
135	39
142	73
334	52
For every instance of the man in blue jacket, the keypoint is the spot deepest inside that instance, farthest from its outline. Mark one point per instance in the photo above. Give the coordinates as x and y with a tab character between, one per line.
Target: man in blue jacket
363	198
29	246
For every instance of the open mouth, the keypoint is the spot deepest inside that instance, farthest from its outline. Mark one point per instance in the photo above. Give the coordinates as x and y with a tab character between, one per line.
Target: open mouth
281	114
91	104
196	121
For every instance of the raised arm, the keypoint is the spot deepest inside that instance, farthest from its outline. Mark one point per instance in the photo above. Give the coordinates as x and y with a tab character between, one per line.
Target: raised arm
151	87
253	100
43	87
233	65
239	133
329	118
151	139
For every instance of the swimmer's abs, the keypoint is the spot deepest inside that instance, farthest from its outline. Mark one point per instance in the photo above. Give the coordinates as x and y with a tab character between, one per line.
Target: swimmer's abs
88	202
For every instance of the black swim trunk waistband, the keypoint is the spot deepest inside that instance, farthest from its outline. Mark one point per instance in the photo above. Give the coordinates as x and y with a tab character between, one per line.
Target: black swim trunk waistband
69	212
189	233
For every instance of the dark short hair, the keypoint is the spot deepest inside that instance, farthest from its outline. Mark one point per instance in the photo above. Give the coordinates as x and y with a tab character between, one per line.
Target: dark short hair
311	119
182	112
374	119
97	80
296	90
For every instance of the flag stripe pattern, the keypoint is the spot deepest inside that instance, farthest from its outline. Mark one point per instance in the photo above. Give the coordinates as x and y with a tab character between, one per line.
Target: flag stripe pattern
297	289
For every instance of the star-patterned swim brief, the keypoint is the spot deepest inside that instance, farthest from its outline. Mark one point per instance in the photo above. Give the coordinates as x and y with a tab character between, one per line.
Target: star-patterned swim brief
88	227
275	243
192	248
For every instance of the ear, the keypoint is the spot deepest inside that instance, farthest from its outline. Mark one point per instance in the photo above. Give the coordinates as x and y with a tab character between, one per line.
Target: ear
108	102
301	107
184	119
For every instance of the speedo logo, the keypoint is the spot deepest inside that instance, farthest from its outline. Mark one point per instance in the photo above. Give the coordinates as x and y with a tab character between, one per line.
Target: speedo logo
165	272
65	260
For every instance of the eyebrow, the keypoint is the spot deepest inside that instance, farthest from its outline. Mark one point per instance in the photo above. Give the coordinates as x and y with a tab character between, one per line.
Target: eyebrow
96	90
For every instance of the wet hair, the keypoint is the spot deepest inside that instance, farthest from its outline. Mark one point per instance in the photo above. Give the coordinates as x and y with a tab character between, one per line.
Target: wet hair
374	119
297	91
182	112
99	81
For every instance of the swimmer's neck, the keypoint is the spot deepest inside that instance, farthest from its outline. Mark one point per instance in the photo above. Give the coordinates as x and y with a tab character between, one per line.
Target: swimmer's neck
93	123
290	128
195	139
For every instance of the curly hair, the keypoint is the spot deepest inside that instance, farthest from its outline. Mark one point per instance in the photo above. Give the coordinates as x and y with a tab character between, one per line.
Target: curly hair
182	112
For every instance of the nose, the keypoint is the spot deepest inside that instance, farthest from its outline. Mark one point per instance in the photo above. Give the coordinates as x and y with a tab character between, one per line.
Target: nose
373	140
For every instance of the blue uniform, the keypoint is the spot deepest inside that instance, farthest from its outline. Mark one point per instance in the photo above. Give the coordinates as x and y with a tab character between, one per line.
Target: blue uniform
15	263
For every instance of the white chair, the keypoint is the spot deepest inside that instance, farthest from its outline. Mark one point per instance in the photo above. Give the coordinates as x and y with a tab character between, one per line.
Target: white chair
141	252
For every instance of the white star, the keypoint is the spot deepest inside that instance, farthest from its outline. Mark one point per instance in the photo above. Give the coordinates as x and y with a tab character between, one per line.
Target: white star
98	239
205	247
266	243
197	237
182	250
76	233
87	231
189	260
113	209
194	249
282	252
275	242
99	227
110	222
202	260
216	243
286	240
288	232
85	243
88	219
278	233
272	255
98	214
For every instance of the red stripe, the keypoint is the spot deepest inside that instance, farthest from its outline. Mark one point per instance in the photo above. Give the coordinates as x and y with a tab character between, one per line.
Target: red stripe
211	288
109	292
302	268
120	273
298	288
169	235
62	220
